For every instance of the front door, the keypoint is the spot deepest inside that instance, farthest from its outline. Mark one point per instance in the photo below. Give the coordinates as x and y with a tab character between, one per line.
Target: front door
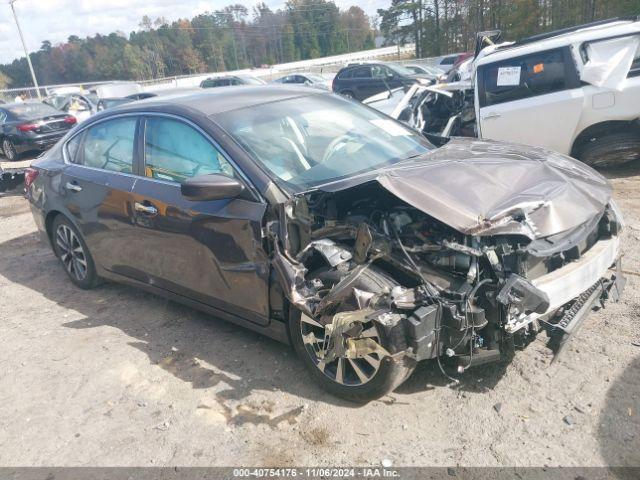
534	99
210	251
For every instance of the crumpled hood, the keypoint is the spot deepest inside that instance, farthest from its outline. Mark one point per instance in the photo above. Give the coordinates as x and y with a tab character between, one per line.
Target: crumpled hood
481	187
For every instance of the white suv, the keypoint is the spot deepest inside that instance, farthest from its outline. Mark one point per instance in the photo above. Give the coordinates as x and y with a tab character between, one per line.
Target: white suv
576	91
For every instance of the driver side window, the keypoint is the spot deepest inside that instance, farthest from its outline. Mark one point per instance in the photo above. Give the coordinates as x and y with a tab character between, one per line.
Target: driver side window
175	151
109	145
380	71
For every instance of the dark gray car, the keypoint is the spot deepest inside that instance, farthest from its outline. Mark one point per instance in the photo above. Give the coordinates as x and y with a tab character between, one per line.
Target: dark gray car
320	222
31	126
362	81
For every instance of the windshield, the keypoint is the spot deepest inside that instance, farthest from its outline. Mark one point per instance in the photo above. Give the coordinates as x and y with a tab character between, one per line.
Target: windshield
253	81
400	69
312	140
28	111
315	78
93	98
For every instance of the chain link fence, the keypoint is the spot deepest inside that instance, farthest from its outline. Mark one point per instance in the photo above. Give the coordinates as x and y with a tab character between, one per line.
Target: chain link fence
326	66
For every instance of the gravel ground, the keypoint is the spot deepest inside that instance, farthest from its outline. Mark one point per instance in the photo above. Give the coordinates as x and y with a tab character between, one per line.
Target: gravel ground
115	376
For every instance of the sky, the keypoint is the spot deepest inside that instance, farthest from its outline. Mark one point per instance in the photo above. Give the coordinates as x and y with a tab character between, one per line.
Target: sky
55	20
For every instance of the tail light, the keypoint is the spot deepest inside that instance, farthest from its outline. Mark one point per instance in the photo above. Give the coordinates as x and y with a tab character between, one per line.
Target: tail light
27	127
70	119
30	175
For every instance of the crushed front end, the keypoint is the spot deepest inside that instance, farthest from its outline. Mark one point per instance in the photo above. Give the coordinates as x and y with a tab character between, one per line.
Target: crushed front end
473	294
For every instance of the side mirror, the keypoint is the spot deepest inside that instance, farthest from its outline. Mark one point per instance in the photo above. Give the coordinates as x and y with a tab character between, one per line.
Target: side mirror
211	187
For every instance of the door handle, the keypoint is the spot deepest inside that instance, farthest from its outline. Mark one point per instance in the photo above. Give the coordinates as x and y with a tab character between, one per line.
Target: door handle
74	187
489	116
148	209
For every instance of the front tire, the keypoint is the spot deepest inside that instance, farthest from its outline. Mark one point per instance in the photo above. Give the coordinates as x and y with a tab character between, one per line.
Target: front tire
358	380
611	150
72	251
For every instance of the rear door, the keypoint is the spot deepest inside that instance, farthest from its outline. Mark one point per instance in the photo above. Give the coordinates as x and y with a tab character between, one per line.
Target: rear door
364	85
96	185
210	251
534	99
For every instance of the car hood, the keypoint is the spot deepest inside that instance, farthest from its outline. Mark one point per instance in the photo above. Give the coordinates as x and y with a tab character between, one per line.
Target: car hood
482	188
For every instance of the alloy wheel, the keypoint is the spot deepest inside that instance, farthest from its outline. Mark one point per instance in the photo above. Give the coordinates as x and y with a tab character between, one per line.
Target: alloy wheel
342	370
8	150
71	252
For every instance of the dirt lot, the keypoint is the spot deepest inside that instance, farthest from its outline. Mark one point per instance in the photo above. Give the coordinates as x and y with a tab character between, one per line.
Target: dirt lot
115	376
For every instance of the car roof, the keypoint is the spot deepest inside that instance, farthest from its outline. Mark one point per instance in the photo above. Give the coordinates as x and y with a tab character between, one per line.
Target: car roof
362	64
218	100
239	75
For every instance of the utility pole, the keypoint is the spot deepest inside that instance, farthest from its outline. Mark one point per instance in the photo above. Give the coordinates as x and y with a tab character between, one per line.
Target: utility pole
235	52
26	52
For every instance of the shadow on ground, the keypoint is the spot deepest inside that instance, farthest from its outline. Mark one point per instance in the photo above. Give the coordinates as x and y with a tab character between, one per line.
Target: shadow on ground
619	422
194	347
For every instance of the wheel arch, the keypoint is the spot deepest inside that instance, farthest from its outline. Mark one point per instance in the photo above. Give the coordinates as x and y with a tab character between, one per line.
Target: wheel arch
48	223
600	129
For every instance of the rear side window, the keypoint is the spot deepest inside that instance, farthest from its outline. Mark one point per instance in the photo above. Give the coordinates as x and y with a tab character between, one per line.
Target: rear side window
362	72
635	66
73	147
224	82
108	145
175	151
346	74
448	61
524	77
634	71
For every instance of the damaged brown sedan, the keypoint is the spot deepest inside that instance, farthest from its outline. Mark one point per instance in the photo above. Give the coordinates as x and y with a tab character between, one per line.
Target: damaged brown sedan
327	224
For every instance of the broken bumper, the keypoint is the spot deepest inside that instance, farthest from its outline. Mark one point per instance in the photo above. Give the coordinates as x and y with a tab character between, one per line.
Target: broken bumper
572	280
607	288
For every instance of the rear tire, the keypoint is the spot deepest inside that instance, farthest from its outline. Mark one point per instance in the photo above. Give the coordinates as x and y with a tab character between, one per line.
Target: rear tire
72	251
388	375
611	150
9	150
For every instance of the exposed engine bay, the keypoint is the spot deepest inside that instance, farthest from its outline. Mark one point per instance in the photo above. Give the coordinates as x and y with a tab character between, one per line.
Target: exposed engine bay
440	111
468	296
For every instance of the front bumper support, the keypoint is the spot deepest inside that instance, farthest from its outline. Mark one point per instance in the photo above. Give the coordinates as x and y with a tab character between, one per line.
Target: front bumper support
594	297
